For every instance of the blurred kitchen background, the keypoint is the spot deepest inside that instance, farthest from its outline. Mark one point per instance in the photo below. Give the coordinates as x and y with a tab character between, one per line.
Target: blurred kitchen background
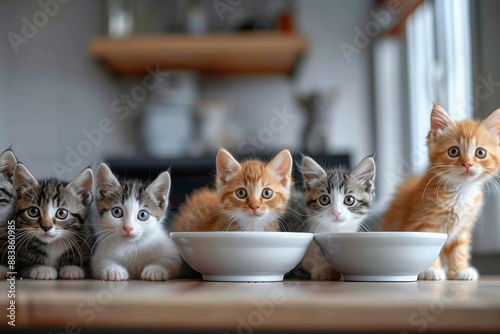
147	85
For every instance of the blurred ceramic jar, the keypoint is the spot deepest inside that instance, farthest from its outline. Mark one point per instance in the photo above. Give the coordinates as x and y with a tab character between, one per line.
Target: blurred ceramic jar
167	125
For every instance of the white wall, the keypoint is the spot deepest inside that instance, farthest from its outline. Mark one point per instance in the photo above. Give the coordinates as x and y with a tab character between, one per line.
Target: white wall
53	90
327	24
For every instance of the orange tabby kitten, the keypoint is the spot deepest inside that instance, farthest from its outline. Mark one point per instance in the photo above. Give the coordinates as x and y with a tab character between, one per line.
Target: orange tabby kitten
251	196
449	196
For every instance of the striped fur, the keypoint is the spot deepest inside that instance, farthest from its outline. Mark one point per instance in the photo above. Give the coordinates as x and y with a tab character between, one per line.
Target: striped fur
132	242
239	201
332	200
51	228
449	196
7	163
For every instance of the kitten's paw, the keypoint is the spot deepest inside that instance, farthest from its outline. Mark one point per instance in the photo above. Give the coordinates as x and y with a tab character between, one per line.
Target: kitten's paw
114	273
71	272
43	272
155	272
432	274
467	274
3	272
325	274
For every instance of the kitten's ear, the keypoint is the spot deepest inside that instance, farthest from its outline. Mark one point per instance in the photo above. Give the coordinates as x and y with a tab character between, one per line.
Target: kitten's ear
311	171
24	181
82	185
7	163
226	165
281	165
364	172
106	182
492	122
160	189
440	120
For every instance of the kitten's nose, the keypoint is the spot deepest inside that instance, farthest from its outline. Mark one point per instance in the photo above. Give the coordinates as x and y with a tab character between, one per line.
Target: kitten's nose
46	227
128	229
254	208
467	165
336	213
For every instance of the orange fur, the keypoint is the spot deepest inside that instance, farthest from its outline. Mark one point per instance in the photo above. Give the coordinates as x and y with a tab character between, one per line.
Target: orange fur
222	210
445	199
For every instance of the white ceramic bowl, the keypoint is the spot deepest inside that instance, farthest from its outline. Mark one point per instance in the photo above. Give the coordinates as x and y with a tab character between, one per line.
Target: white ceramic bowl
242	256
381	256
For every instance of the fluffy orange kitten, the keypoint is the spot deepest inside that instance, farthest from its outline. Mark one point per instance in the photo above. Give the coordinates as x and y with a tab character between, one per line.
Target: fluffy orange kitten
449	196
251	196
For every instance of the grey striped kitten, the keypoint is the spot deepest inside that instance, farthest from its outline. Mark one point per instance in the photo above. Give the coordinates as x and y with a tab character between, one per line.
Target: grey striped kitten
332	200
7	163
51	228
132	240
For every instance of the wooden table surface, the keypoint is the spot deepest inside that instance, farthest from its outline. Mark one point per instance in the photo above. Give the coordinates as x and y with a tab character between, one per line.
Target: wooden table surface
249	307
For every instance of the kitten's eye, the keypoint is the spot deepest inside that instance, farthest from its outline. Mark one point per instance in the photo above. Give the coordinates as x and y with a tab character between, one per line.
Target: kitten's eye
349	200
241	193
267	193
117	212
453	152
143	215
61	214
33	212
481	153
324	200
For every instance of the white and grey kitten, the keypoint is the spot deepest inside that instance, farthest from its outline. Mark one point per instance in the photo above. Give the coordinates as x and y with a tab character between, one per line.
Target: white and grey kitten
7	163
332	200
132	242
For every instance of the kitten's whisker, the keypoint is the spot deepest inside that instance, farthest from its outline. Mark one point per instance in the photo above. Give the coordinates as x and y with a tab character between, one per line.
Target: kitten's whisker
73	241
426	186
98	240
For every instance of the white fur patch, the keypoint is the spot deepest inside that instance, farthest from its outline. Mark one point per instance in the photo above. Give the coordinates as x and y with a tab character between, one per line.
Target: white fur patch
53	234
324	222
155	272
432	274
114	273
71	272
43	272
55	250
467	274
464	208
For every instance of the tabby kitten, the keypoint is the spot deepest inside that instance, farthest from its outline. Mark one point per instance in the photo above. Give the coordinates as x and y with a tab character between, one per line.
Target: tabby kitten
51	228
332	200
132	242
448	197
248	196
7	163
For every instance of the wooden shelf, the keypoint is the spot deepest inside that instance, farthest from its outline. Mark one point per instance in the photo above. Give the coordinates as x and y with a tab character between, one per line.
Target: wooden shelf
239	53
